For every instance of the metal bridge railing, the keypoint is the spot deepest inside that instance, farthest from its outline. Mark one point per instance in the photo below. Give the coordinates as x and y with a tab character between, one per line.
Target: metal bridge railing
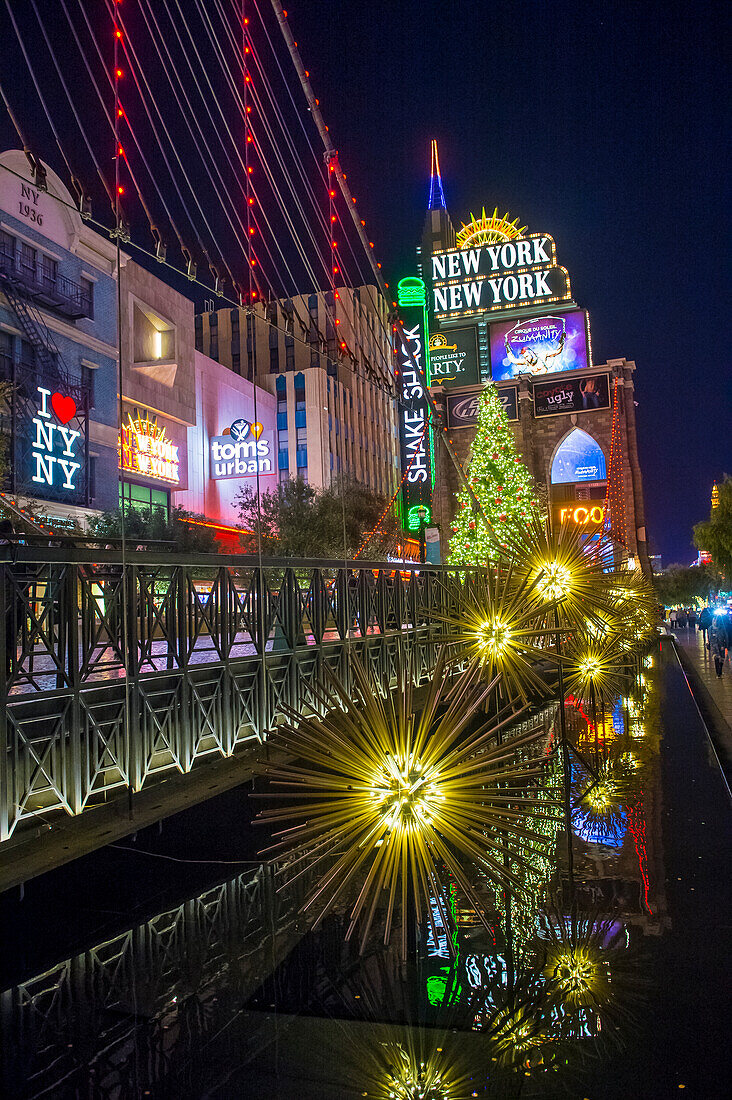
113	673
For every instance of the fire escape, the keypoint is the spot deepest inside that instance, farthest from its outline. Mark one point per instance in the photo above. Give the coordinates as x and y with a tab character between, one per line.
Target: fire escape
26	287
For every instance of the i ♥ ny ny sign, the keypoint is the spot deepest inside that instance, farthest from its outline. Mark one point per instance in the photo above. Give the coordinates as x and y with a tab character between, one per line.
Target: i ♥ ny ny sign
55	453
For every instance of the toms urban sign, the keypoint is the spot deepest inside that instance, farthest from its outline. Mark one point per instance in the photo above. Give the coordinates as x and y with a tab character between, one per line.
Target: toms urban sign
495	277
244	449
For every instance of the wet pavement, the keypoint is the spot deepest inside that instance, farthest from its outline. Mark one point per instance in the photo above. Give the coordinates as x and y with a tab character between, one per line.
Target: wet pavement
149	969
713	693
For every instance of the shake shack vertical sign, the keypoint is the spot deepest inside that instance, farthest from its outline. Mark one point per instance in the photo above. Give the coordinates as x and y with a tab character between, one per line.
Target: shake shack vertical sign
495	277
454	357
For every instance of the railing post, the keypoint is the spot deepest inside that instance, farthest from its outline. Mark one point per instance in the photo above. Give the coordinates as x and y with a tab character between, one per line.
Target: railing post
129	590
68	611
8	615
186	725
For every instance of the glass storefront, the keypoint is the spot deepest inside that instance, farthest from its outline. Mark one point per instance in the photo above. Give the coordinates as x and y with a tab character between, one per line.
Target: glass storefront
143	497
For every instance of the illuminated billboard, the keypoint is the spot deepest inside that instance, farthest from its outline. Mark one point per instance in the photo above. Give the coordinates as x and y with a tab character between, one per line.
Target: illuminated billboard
497	277
572	395
540	345
462	409
454	357
244	449
145	449
414	431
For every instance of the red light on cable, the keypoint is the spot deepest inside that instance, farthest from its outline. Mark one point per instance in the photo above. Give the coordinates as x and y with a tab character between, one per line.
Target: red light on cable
118	73
120	190
332	217
118	34
251	202
332	194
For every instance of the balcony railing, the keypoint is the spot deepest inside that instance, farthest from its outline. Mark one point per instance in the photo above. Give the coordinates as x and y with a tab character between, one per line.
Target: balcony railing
48	288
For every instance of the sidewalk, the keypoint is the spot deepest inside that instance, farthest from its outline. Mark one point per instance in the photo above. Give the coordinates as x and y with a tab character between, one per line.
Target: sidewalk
713	694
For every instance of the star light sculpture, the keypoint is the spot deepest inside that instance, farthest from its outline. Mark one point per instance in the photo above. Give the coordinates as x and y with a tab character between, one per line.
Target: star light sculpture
495	620
589	967
564	570
595	668
384	803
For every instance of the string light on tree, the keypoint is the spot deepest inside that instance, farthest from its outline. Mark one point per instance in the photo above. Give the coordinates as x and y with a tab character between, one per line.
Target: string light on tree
501	483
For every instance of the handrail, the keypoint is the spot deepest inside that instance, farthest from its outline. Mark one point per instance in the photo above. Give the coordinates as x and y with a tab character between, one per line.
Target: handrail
59	555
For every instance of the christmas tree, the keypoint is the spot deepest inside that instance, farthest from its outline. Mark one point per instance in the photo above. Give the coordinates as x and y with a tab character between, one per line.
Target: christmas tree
502	484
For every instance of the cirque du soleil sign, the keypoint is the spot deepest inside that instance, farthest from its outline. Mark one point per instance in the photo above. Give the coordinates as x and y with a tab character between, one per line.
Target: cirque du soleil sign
145	449
498	277
54	449
242	450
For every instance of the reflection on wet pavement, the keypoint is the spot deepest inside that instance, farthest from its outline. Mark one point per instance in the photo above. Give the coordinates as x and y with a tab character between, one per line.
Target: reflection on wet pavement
608	985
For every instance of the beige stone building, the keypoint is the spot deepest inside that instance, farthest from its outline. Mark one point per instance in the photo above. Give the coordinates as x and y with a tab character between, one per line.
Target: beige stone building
327	358
550	444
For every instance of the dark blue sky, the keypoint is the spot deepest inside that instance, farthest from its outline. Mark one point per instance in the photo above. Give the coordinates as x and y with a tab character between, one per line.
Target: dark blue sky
600	123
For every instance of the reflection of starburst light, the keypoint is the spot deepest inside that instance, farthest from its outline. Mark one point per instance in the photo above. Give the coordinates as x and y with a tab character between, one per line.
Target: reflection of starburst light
385	796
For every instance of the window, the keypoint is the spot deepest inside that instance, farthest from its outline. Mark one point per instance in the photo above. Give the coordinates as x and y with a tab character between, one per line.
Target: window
6	355
27	258
301	437
87	297
27	355
213	344
88	378
47	271
143	497
578	458
7	248
235	342
283	459
251	357
299	393
198	327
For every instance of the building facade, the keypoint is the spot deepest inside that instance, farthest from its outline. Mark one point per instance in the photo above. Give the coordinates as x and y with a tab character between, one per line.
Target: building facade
499	310
58	348
326	359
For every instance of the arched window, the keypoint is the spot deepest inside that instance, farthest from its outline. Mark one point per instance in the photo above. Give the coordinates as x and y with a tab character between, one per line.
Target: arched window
578	458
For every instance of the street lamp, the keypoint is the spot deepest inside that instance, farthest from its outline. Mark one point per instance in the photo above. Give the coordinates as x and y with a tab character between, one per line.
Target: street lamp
422	517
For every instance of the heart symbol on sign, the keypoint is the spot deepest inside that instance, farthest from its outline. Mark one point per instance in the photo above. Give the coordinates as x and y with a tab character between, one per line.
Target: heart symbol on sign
257	429
64	407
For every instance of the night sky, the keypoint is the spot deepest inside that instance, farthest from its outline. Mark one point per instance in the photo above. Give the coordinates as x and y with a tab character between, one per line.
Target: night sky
600	123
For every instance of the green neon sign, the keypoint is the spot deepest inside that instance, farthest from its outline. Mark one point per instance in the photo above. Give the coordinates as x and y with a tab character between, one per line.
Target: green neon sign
413	516
411	292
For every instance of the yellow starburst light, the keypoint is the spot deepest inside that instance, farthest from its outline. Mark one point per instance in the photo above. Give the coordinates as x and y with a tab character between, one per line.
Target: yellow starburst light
564	569
387	800
495	620
493	229
595	666
588	968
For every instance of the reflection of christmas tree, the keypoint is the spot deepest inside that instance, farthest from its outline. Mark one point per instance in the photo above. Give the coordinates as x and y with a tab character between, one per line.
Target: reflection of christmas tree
501	483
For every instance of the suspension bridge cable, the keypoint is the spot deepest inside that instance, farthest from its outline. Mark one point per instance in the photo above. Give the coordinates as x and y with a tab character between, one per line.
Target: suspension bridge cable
65	88
131	53
131	129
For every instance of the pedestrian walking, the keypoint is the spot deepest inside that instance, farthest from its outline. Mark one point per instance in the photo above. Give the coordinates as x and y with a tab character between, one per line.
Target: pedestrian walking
681	618
692	619
720	639
672	618
705	621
